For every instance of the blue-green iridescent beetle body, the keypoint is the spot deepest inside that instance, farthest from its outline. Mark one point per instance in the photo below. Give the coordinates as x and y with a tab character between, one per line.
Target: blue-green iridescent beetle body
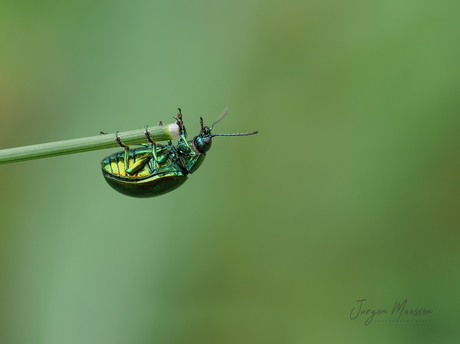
155	169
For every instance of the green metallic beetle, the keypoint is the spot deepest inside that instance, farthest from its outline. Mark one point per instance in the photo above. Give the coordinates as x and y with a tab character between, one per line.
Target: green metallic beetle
155	169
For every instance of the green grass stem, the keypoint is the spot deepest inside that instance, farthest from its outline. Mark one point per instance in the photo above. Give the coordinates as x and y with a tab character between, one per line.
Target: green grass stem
46	150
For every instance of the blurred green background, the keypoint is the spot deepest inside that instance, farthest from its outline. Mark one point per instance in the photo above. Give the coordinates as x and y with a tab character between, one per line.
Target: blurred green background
350	190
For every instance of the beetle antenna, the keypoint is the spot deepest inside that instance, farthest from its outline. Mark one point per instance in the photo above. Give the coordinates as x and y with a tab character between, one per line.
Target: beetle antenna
201	122
241	134
220	117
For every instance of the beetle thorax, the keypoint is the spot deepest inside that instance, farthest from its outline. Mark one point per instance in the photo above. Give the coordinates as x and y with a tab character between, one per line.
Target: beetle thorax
194	147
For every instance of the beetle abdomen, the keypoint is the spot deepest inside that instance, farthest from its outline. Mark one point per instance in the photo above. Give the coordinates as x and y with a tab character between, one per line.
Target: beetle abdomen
139	164
143	177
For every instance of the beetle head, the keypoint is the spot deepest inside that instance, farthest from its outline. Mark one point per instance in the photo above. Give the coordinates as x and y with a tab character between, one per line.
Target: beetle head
203	140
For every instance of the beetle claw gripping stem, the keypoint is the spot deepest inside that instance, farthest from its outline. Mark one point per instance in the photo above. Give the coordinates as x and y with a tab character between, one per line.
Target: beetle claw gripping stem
118	139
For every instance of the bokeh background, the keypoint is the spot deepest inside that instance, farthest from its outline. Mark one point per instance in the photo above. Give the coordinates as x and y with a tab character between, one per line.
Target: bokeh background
350	190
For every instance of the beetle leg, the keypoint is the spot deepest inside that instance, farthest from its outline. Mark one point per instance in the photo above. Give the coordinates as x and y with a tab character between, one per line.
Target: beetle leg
117	138
154	145
182	135
183	132
140	162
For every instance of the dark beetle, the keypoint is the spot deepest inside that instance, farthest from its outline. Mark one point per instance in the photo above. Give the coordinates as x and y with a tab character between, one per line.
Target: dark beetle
155	169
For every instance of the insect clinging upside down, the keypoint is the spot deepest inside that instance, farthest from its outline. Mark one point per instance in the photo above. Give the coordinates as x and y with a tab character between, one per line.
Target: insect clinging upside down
155	169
